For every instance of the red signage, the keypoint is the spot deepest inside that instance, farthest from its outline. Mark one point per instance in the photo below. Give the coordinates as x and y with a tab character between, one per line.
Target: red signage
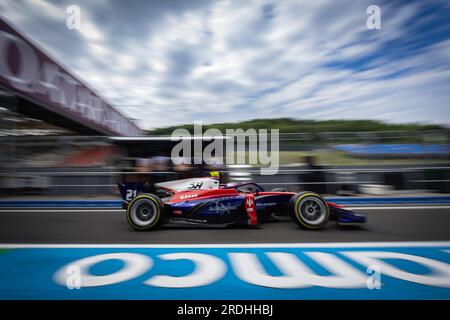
29	72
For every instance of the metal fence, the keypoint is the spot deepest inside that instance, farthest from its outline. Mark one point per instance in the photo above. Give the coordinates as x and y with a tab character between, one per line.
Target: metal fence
19	177
333	180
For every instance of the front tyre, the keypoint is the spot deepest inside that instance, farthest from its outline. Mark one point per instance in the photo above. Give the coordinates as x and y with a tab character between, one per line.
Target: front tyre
309	210
144	212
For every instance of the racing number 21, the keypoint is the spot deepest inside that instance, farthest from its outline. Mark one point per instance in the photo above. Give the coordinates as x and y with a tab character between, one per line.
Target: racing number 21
130	194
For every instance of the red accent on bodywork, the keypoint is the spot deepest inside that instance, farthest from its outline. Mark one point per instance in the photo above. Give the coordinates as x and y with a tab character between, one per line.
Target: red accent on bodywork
275	193
250	208
201	194
331	204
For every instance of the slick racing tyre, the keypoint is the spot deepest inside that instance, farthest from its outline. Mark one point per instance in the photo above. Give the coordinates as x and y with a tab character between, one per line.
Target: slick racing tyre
309	210
144	212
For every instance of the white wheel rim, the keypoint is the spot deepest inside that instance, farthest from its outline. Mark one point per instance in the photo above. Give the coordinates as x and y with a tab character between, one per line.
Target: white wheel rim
312	210
143	212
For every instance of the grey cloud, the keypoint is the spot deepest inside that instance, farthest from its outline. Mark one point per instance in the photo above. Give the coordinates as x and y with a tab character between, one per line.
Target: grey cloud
179	61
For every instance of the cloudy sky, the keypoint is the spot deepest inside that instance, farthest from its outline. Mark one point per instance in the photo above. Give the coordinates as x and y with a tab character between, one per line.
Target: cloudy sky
174	62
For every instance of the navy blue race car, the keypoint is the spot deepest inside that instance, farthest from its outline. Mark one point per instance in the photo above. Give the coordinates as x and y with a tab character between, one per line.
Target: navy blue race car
204	202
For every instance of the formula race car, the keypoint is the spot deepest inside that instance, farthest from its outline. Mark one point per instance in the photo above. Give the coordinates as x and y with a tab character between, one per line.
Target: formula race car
205	202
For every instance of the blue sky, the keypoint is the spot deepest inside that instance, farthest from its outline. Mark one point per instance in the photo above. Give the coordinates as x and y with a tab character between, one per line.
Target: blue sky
174	62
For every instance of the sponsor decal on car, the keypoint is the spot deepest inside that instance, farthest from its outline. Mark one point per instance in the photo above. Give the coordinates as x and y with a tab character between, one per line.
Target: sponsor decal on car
221	207
188	196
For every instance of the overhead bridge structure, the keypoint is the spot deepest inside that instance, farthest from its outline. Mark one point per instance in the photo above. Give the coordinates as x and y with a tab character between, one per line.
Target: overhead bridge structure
34	84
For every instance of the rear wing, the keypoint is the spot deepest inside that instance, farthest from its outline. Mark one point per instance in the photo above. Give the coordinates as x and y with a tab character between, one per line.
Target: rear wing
129	190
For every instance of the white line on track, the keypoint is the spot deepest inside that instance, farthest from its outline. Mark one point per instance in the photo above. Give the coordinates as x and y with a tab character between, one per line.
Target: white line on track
234	245
88	210
399	207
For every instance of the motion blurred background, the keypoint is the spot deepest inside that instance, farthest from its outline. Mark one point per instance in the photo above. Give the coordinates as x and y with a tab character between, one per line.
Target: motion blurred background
311	70
39	160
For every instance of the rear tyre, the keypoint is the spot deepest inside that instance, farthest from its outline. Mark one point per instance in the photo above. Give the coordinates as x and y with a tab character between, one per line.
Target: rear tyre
144	212
309	210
